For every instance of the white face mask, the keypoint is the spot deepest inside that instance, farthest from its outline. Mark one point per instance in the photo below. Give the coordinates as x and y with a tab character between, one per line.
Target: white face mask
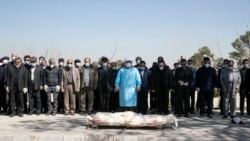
61	63
78	64
5	61
190	66
245	65
27	62
207	65
52	66
138	61
1	64
40	61
114	68
161	68
87	64
225	65
69	65
104	64
13	58
128	65
179	66
33	64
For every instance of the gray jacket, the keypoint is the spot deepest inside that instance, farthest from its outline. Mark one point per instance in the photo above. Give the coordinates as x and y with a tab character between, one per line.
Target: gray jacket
225	78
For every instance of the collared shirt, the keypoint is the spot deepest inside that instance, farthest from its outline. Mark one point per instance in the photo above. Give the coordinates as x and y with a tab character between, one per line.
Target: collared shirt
231	76
33	73
70	76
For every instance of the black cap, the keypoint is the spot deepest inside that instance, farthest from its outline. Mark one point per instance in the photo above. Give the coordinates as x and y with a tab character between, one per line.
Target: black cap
60	60
6	58
77	61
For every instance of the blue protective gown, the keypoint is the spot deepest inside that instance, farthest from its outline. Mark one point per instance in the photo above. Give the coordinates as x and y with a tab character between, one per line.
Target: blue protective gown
127	80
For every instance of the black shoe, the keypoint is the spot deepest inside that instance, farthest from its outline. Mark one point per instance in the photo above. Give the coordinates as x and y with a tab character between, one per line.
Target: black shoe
30	113
89	112
20	114
209	116
66	114
12	114
72	114
232	116
186	115
201	116
224	117
242	113
38	113
53	114
49	113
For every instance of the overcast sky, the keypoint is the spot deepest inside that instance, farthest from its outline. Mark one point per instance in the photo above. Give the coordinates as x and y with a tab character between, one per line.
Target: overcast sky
146	28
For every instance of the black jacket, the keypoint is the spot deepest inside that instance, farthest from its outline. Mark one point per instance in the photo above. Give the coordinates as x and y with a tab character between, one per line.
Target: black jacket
206	79
184	75
38	78
22	78
52	76
162	79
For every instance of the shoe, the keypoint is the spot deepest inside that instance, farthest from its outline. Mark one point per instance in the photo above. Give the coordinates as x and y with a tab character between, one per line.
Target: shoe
72	114
89	113
201	116
209	116
38	113
242	113
186	115
53	114
30	113
232	116
12	114
49	113
224	117
66	114
20	115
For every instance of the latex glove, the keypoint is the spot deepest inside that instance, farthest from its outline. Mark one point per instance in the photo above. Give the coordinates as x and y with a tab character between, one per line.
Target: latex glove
198	89
116	89
25	90
7	90
41	87
58	88
138	88
237	90
186	84
77	90
62	90
153	91
46	88
180	82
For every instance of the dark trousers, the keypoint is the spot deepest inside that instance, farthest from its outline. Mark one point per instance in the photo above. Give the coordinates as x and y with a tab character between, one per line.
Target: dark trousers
35	102
44	101
182	100
152	100
243	96
206	97
25	101
114	101
192	99
143	102
162	101
248	104
52	104
3	103
16	100
172	95
221	102
198	101
104	100
60	107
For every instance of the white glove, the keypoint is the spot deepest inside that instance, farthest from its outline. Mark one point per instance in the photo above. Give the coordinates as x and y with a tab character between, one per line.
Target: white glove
41	87
185	84
25	90
46	88
116	89
138	88
57	88
7	90
198	89
180	82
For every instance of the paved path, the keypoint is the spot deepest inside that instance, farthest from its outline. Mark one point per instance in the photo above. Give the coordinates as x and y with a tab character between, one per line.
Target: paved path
73	128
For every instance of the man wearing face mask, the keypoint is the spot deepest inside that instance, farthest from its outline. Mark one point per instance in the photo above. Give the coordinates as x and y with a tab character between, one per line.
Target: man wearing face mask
104	85
26	59
143	93
60	107
27	65
114	96
17	85
35	83
3	104
77	63
183	78
206	83
162	82
89	84
70	86
128	83
192	87
243	94
230	83
224	66
152	93
138	60
52	81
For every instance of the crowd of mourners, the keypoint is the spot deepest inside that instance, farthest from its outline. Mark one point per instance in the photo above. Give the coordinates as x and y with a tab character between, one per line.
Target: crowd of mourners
31	85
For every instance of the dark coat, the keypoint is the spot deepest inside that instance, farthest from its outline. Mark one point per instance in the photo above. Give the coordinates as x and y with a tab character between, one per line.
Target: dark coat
167	79
206	79
38	78
22	78
184	75
145	79
105	79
